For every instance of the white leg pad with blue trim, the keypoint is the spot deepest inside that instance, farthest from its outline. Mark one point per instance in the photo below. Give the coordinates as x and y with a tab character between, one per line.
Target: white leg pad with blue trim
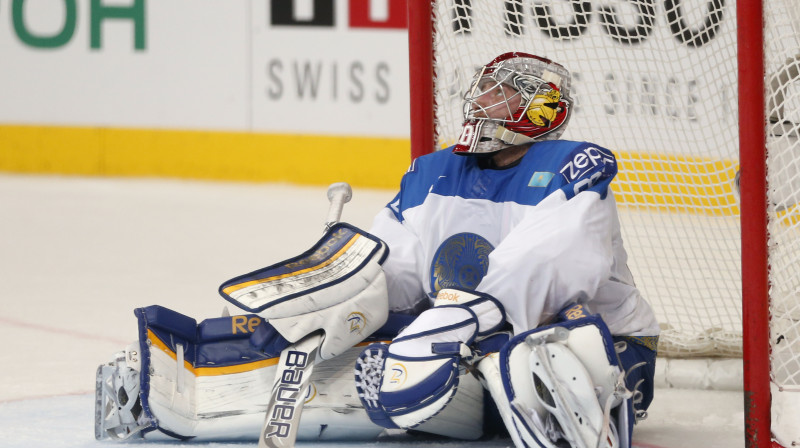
211	381
561	384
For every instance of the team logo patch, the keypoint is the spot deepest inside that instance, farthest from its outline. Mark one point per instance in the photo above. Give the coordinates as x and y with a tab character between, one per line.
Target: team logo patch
357	321
541	179
398	375
543	110
461	261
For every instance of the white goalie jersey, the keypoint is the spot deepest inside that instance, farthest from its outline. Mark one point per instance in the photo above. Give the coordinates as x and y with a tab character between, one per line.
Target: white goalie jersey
537	237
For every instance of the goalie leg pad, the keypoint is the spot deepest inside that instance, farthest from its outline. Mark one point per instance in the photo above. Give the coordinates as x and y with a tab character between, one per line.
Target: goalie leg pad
210	381
563	384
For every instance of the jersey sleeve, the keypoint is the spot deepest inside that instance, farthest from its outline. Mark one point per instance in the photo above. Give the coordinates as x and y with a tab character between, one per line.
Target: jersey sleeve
562	249
403	265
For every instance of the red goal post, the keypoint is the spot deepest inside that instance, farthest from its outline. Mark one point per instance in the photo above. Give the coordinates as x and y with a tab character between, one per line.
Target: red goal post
691	95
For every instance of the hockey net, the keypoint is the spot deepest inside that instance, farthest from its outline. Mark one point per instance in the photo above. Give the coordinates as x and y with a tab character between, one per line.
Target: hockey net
656	82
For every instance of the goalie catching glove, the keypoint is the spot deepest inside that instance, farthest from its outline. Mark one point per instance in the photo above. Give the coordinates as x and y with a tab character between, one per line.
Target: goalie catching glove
417	382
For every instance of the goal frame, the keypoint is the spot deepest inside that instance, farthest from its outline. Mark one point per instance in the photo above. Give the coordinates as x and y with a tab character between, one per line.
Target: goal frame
752	156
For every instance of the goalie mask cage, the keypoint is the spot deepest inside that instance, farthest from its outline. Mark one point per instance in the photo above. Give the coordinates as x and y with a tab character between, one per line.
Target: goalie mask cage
685	92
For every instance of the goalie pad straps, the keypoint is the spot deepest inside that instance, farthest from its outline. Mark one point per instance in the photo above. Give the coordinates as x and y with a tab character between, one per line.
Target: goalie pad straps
337	286
216	390
416	381
563	384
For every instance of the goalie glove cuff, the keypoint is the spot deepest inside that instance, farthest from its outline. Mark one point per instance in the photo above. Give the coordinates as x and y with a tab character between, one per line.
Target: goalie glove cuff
489	312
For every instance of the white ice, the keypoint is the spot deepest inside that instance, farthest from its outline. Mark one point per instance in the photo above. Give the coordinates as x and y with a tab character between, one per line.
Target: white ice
77	255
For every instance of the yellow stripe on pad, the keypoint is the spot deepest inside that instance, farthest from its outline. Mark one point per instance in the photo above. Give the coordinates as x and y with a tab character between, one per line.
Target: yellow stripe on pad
210	371
234	288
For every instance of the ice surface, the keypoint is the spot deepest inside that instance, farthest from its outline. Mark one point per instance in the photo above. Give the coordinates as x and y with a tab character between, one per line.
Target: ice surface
77	255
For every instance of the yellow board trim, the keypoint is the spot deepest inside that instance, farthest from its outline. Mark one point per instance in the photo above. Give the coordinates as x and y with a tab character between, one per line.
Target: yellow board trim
674	183
662	182
210	371
206	155
234	288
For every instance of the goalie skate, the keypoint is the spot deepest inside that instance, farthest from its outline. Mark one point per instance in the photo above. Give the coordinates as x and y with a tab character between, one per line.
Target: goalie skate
118	405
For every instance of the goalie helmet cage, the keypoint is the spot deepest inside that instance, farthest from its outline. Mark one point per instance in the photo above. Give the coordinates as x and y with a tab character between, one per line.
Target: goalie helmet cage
685	92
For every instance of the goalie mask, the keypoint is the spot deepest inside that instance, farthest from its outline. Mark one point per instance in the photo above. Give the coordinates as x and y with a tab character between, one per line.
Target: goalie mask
516	98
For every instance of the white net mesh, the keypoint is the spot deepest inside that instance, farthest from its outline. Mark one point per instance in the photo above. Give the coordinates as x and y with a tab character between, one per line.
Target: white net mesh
782	59
656	83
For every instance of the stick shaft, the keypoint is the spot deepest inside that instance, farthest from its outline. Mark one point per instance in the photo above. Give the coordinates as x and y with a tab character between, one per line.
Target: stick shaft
338	194
297	362
288	393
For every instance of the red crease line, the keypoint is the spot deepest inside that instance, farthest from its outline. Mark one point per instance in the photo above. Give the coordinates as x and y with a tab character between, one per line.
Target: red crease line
77	334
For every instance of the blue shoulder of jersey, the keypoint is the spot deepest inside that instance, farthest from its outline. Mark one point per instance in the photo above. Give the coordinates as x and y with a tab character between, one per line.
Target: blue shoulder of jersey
548	166
584	166
420	177
564	165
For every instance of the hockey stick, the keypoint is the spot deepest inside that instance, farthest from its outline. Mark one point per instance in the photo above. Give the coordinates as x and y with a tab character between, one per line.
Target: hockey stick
297	362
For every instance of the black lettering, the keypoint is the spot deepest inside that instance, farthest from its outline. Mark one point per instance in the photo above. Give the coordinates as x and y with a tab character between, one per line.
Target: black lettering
275	91
575	90
647	94
282	13
462	17
612	104
672	94
356	70
296	358
728	103
381	72
286	394
693	100
307	79
281	429
292	377
513	24
694	37
573	29
631	94
282	412
643	27
335	81
649	104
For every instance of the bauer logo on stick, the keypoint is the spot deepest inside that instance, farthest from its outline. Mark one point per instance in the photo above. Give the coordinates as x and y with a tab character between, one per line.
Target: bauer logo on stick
286	395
